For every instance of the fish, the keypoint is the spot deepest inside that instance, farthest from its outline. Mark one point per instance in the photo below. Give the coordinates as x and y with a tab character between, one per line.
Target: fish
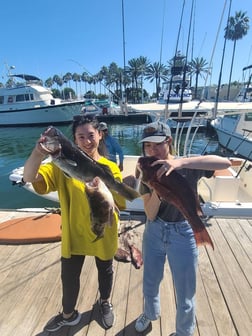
102	206
136	256
122	255
176	190
77	164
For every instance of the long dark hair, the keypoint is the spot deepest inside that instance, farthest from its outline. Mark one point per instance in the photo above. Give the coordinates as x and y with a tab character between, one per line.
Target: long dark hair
80	120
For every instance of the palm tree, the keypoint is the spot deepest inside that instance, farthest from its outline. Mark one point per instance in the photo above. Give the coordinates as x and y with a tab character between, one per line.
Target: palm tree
57	80
237	27
77	79
84	78
49	82
157	72
67	78
198	67
136	69
102	74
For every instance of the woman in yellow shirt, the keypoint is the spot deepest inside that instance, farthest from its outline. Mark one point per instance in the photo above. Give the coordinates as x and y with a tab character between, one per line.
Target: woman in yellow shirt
78	239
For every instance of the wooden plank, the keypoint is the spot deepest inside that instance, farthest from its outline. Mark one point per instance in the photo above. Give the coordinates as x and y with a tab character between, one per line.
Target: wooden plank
134	301
240	266
211	308
168	302
221	259
30	289
244	236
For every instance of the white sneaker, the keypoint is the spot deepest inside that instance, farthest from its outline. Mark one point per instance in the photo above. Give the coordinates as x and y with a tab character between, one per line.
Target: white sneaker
142	323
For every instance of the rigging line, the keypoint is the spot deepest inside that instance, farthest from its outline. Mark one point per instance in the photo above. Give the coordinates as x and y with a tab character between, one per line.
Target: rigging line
162	34
124	57
174	59
193	35
213	51
123	31
186	58
221	68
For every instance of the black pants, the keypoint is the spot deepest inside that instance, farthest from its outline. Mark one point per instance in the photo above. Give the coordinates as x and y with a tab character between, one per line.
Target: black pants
70	276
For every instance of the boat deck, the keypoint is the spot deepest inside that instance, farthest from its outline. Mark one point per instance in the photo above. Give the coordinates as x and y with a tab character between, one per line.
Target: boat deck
30	287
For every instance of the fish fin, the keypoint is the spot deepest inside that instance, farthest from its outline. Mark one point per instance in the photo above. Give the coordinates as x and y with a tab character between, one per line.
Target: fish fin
203	238
67	175
199	209
110	218
116	209
71	162
127	192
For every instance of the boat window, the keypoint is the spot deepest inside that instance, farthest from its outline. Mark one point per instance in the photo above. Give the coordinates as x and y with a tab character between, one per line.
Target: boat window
232	116
248	116
20	98
1	99
23	97
10	99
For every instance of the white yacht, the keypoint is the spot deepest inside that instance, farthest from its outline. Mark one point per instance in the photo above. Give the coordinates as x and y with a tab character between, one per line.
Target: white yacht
29	103
175	88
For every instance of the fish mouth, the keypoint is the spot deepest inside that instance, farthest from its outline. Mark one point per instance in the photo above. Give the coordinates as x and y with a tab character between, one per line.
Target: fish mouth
51	146
50	141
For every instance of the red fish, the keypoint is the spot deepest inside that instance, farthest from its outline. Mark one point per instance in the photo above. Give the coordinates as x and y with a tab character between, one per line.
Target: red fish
175	190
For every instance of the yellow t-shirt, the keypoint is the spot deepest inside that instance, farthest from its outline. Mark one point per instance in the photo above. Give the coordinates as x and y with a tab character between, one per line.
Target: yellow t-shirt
77	236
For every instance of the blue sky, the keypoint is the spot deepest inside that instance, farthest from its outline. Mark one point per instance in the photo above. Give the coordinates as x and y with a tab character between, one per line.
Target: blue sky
45	37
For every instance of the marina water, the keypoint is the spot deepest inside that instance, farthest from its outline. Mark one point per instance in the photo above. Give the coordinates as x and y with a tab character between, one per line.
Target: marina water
17	143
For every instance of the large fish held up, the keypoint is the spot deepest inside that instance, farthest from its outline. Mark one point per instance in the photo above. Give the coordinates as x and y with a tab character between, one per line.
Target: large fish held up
102	206
175	190
77	164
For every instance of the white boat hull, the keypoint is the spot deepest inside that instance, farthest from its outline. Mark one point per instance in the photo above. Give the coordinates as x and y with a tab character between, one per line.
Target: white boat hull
235	143
53	114
234	131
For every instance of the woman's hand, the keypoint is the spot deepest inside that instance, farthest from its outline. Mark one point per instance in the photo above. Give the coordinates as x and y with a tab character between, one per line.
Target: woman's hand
167	166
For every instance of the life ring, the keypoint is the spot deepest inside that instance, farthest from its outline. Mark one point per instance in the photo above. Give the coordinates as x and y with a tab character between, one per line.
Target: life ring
10	99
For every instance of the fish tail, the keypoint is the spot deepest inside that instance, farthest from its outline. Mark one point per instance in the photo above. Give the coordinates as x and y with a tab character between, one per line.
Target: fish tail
127	192
203	238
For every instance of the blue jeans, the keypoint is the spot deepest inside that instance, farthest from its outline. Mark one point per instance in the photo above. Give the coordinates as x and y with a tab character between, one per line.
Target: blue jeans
176	241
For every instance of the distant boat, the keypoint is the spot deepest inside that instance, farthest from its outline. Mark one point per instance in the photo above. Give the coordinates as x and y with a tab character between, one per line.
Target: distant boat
176	89
97	107
108	111
29	103
245	94
234	130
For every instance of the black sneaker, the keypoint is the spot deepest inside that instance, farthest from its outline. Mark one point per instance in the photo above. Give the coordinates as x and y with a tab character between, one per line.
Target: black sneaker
107	315
59	321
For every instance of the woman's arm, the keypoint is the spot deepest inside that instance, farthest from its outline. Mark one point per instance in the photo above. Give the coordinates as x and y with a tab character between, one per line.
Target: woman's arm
204	162
33	163
151	205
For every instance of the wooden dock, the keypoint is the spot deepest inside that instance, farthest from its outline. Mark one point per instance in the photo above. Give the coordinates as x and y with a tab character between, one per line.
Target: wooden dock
30	287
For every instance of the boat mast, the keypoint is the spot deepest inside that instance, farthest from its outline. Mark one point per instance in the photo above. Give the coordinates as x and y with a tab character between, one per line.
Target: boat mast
185	63
124	57
174	62
222	61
